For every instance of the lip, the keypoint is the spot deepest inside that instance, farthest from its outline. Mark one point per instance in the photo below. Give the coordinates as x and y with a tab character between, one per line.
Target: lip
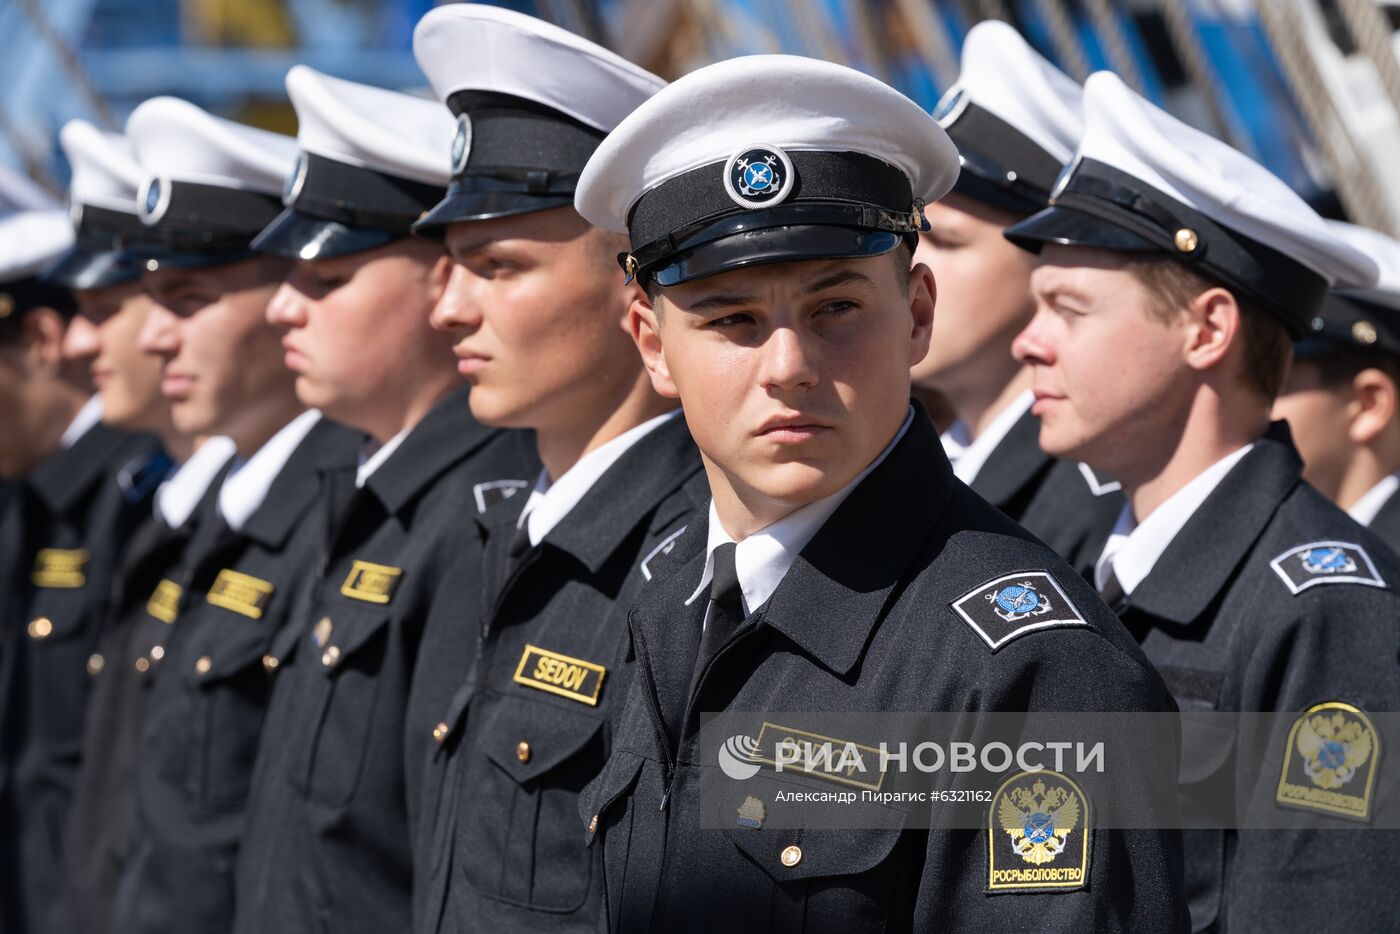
791	429
292	356
1043	401
101	377
469	362
176	386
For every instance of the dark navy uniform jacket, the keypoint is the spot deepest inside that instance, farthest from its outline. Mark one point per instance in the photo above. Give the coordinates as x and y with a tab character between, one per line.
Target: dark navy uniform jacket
205	711
152	587
327	846
1386	524
1052	498
498	847
862	622
77	509
1271	598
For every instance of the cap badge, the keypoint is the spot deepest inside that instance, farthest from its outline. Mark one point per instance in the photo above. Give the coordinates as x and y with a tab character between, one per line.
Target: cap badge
1186	240
1364	332
461	144
155	201
758	176
291	189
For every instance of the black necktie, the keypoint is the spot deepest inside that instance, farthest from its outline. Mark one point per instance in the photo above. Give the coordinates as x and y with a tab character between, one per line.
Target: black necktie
726	609
1113	594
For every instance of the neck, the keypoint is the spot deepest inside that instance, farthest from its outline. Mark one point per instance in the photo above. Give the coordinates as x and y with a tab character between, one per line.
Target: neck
1209	433
978	410
561	447
178	446
262	423
59	408
403	417
1367	467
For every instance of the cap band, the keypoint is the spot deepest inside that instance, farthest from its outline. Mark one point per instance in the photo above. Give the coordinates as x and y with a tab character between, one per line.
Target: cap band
359	197
1018	177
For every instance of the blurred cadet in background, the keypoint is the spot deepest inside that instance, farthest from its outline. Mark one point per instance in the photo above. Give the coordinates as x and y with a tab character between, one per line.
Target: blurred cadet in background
1173	271
112	310
212	187
1342	395
84	487
327	840
1016	120
538	305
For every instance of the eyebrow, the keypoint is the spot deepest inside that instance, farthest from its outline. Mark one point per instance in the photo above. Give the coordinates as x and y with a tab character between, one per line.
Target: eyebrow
831	280
839	277
713	302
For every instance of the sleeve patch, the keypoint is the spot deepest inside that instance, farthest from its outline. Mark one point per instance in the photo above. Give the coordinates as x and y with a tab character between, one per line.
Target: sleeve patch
494	492
1326	563
1329	762
663	549
1011	606
1038	835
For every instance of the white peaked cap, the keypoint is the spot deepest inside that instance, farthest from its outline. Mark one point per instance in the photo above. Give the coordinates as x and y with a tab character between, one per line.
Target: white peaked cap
173	139
105	171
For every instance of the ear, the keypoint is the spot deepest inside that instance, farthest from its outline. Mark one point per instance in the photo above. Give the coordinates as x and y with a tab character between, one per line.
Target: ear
438	275
43	331
923	296
1213	326
644	324
1373	405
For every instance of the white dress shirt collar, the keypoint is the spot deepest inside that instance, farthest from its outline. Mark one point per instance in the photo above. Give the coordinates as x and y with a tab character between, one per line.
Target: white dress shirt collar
968	454
1133	547
369	464
247	484
177	497
1365	509
87	418
763	559
550	503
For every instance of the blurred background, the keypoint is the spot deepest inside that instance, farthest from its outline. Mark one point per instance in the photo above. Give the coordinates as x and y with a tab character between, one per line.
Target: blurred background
1310	88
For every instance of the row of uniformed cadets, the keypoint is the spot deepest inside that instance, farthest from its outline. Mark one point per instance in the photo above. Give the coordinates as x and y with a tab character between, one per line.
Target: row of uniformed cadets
309	681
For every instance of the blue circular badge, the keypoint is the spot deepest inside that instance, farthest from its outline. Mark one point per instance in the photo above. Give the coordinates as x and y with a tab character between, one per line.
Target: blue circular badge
291	188
1017	599
155	200
758	176
461	144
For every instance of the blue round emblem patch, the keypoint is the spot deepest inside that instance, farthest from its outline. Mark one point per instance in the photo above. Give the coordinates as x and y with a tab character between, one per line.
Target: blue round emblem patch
758	176
1018	599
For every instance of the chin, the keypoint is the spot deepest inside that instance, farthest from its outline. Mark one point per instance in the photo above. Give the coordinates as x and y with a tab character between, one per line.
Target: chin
492	407
798	484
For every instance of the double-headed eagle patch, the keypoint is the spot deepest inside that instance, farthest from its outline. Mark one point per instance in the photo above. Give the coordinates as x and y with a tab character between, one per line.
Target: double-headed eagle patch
1329	762
1037	834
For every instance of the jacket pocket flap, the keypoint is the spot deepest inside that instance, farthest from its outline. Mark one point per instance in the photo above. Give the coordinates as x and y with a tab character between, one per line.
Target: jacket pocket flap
527	739
336	637
788	855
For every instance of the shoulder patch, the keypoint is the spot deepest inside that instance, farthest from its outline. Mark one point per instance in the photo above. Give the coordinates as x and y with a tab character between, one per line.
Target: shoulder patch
1096	486
494	492
662	549
1038	835
1326	563
1015	604
1329	762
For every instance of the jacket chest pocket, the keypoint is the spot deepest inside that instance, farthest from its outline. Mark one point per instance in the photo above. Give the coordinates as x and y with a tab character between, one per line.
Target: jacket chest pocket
338	667
820	880
61	636
1207	786
517	837
219	674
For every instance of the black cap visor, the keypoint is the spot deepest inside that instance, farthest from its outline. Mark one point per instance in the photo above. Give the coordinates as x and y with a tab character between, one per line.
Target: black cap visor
1068	227
153	258
771	245
298	235
464	205
84	268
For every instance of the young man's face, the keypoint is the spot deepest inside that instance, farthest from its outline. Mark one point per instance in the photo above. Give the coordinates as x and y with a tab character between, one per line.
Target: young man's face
984	297
793	377
1109	376
222	361
16	371
537	306
33	372
1319	415
357	335
104	334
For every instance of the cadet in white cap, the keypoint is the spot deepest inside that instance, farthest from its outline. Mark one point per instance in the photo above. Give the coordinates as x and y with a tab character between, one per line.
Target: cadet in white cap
1342	396
85	486
773	203
355	309
213	186
1016	120
537	307
1173	271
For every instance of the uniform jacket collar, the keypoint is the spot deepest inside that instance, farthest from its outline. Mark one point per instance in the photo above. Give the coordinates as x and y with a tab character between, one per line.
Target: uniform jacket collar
298	484
445	436
1206	553
1013	464
67	477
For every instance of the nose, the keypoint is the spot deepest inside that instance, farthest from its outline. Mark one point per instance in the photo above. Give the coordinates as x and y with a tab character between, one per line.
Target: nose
788	363
160	333
287	309
1033	346
81	340
456	309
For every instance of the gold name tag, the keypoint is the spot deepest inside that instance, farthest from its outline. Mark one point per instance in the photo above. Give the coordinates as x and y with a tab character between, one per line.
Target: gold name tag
240	593
60	567
568	677
165	601
373	583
